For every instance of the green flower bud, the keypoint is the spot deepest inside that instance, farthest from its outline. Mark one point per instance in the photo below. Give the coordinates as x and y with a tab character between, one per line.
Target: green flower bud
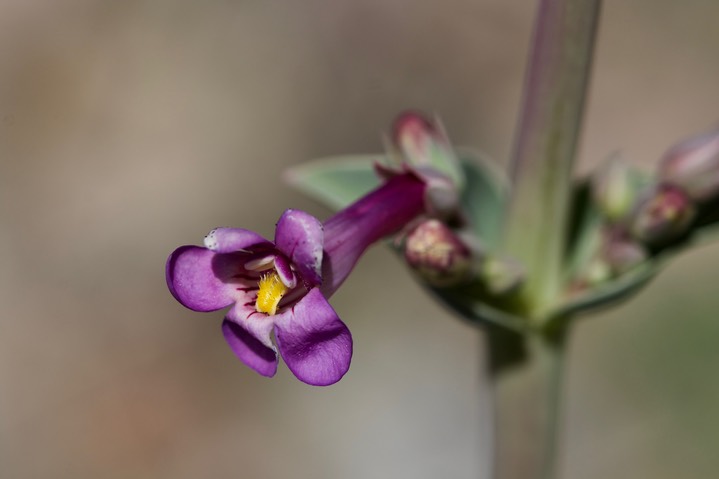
614	188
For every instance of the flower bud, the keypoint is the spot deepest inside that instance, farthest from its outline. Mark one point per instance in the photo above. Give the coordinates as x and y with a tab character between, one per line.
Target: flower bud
693	165
424	144
614	188
663	216
415	136
437	254
616	255
624	254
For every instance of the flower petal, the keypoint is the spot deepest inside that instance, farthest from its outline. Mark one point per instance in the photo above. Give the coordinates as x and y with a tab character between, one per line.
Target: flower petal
229	240
191	278
314	343
383	212
249	349
284	271
300	237
258	325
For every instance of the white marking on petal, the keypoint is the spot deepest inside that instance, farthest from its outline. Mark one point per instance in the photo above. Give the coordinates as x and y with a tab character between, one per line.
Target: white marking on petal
285	272
261	264
211	240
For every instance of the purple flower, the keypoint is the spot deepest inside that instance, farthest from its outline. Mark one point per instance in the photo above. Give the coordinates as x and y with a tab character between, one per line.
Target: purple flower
282	287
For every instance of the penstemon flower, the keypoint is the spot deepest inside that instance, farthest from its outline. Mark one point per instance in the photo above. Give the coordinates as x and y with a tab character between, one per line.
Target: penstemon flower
282	287
523	255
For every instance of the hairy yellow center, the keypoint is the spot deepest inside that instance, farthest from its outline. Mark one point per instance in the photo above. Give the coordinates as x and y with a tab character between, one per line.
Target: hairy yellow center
271	291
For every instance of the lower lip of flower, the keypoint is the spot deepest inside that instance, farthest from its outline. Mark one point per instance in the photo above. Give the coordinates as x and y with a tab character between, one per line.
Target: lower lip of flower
271	291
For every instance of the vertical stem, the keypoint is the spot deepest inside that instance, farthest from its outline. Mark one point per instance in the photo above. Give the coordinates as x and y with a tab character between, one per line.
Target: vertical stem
550	121
527	407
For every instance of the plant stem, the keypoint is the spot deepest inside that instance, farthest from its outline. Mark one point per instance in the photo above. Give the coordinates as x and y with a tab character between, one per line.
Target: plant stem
549	125
526	404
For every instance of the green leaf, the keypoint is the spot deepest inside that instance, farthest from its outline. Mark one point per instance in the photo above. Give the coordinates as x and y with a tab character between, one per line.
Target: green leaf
615	290
705	234
484	197
706	228
476	309
336	182
584	234
445	160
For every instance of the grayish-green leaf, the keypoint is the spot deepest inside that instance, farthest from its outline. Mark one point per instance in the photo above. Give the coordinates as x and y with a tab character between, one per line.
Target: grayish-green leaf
336	182
619	288
446	161
484	197
584	235
474	308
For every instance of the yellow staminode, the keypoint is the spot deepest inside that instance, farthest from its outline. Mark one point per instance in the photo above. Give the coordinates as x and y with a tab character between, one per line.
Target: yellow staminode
271	291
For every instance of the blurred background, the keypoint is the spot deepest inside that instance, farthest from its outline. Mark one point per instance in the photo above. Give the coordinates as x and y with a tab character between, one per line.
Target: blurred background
130	128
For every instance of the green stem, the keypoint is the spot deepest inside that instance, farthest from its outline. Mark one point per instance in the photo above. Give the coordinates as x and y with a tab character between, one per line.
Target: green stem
527	391
550	121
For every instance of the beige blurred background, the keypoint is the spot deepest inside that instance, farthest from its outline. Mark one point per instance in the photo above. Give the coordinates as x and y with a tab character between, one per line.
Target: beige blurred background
129	128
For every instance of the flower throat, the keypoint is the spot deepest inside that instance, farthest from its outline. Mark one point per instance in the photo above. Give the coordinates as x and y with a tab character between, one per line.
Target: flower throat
271	292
